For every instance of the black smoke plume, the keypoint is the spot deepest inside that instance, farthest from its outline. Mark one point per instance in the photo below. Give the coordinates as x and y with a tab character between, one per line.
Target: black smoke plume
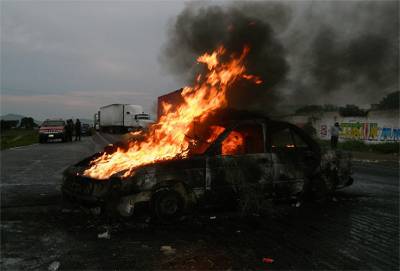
306	52
197	31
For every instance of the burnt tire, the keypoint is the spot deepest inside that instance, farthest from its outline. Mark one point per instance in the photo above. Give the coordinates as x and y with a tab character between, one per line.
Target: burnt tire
320	190
167	206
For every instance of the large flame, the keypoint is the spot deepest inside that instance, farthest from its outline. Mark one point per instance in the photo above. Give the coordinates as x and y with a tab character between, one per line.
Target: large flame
167	138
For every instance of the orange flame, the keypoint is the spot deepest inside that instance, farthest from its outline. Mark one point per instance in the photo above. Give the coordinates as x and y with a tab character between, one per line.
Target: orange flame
167	139
233	144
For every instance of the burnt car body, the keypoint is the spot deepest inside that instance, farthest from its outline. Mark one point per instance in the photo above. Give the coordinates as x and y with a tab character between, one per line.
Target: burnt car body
277	161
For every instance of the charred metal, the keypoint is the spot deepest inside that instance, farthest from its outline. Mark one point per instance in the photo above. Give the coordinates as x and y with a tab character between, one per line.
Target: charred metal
277	162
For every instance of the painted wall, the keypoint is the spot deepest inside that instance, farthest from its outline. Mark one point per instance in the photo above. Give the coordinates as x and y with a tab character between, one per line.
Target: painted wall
376	127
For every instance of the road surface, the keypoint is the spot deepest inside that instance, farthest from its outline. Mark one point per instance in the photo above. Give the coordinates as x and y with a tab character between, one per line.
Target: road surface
360	230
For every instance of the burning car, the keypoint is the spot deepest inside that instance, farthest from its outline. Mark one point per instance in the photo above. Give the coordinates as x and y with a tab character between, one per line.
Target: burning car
199	153
231	158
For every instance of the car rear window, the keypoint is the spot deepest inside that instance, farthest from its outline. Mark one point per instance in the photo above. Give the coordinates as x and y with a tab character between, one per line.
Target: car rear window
53	123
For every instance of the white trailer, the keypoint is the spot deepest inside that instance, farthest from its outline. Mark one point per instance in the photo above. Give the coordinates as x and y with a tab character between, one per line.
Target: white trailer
122	118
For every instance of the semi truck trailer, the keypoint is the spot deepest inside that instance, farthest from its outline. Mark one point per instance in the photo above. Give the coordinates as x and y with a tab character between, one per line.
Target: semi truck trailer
120	118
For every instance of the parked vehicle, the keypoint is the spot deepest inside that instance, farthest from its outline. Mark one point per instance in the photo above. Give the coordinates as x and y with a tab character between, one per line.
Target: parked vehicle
85	129
52	129
118	118
96	121
275	160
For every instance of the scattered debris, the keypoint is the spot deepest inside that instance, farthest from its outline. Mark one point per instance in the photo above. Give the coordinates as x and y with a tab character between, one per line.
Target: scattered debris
268	260
167	250
54	266
104	235
95	211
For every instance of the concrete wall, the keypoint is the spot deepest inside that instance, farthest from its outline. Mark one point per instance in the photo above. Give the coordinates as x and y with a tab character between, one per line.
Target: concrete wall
376	127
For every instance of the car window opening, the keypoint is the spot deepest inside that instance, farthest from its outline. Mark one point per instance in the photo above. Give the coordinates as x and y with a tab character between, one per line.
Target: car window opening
246	139
282	139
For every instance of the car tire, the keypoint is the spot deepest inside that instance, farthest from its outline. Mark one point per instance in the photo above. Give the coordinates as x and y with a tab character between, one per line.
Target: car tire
167	206
320	189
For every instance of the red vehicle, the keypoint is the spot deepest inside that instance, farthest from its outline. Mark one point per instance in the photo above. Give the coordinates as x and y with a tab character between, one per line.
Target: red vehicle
52	129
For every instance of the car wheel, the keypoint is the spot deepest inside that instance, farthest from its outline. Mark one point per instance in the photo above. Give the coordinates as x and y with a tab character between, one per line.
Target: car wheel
167	206
320	189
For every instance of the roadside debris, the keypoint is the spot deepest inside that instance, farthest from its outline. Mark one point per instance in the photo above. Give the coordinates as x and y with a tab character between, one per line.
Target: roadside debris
267	260
54	266
167	250
104	235
95	211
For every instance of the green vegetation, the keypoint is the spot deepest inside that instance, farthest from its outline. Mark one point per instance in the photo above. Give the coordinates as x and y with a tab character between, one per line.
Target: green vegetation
391	101
317	108
360	146
18	137
351	110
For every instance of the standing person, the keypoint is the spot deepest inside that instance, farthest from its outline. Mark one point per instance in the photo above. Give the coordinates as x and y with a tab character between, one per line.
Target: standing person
335	135
77	130
66	131
70	126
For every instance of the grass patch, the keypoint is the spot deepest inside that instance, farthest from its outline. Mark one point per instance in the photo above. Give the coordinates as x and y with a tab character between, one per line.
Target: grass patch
18	137
360	146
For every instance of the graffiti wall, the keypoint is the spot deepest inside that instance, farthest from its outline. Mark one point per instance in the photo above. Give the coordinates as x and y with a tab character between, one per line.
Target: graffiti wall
368	131
376	127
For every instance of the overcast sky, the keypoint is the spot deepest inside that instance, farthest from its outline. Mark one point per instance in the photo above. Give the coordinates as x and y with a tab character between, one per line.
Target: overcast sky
68	58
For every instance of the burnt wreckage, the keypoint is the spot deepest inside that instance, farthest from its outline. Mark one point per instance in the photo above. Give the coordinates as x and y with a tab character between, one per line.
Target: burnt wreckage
272	159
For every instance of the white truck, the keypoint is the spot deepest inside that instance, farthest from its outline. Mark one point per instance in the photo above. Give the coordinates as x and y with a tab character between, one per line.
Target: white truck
120	118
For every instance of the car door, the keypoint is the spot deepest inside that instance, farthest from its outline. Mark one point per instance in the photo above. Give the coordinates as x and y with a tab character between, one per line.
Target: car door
287	171
240	167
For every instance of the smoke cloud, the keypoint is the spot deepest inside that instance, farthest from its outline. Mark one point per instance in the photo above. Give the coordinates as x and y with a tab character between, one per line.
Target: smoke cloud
200	30
305	52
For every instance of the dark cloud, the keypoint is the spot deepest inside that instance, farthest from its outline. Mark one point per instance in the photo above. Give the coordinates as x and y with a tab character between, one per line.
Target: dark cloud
307	52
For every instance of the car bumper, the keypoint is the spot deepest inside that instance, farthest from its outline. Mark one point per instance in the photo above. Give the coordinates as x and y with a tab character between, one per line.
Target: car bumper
52	136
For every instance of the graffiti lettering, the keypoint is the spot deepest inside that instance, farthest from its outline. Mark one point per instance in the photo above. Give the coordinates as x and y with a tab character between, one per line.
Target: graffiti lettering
365	131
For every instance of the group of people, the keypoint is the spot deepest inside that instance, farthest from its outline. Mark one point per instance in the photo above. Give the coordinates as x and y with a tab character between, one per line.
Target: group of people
70	127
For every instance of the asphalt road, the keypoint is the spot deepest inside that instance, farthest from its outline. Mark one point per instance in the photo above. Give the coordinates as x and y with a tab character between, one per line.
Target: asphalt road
360	230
